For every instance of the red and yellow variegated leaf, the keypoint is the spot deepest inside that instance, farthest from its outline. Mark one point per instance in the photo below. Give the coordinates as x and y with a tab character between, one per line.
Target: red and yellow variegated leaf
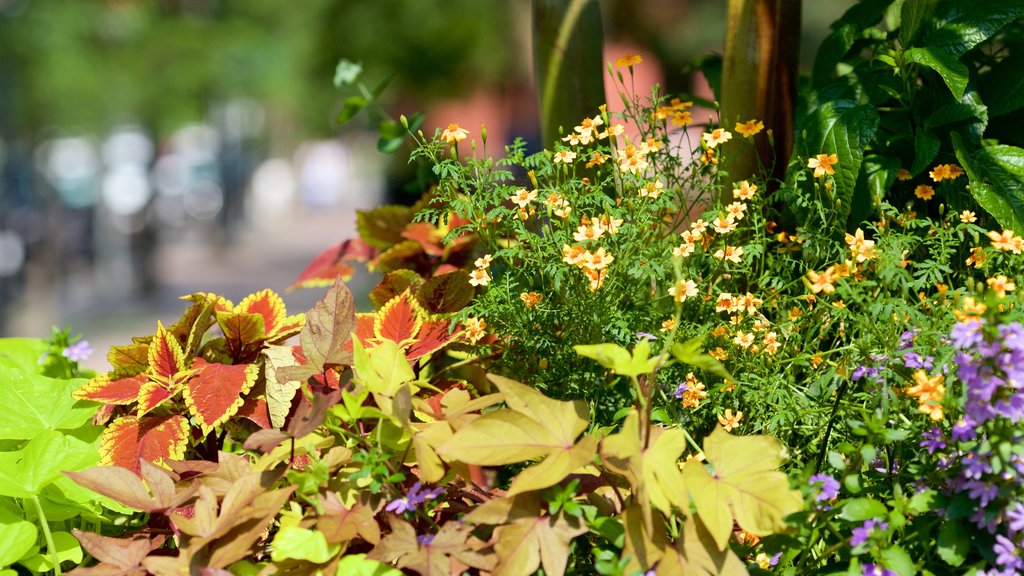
220	303
426	235
334	262
395	257
153	394
151	438
241	329
432	336
130	359
399	320
215	393
393	284
290	326
197	319
365	323
120	391
166	358
267	304
255	410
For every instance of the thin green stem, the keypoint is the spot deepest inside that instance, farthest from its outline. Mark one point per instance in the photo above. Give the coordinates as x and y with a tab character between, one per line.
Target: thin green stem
50	545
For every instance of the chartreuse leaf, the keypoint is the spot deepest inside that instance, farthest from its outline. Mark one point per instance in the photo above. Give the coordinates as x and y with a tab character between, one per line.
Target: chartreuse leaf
33	404
746	485
16	539
554	468
953	72
25	472
689	352
533	426
997	181
696	553
618	359
22	354
67	549
651	468
295	543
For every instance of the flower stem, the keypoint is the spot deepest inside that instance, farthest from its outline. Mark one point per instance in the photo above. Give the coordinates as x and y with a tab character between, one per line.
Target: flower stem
47	535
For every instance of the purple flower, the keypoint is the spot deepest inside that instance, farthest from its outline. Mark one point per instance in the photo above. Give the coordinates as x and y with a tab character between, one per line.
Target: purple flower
1007	553
863	533
680	390
646	336
827	485
933	440
425	539
78	352
983	492
872	570
915	360
1015	518
963	431
414	498
966	335
865	372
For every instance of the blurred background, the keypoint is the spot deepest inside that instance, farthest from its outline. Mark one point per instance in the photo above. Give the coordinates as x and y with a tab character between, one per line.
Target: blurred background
154	148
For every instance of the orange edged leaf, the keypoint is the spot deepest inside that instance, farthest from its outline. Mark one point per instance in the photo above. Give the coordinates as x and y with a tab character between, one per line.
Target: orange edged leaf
151	438
426	235
266	303
393	284
432	336
446	293
289	327
365	322
334	262
241	329
215	393
395	257
165	355
399	320
120	391
151	395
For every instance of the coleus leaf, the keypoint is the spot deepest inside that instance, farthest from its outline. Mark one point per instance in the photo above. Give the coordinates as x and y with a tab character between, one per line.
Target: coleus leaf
166	359
433	335
197	319
130	359
214	394
650	467
277	325
393	284
241	330
746	486
150	438
120	391
396	257
382	227
399	320
334	262
328	329
153	394
533	426
280	391
255	410
426	235
446	293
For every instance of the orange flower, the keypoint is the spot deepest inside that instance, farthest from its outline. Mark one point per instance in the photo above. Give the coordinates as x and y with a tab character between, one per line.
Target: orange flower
453	134
750	127
1006	241
945	172
968	217
977	257
683	289
821	282
929	392
629	60
531	299
667	325
903	175
745	191
823	164
475	329
1001	285
730	421
924	192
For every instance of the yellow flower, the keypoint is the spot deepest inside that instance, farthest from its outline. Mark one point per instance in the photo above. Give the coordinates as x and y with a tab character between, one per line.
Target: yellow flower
726	303
1006	241
743	339
736	210
453	134
683	289
531	299
977	257
667	325
968	217
608	224
929	392
716	137
945	172
565	157
903	175
724	225
694	391
1001	285
484	261
730	421
574	255
924	192
475	329
750	127
479	277
598	260
823	164
613	130
558	205
970	309
596	160
771	343
699	226
522	197
596	278
730	253
719	354
681	119
651	189
862	248
584	233
745	191
628	60
821	282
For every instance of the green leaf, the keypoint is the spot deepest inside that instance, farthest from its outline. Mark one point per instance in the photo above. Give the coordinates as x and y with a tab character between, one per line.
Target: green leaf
383	369
33	404
967	24
897	560
555	467
1002	87
359	565
876	178
618	359
382	227
351	107
953	72
24	472
913	14
996	181
16	540
860	509
689	353
926	148
921	502
845	32
22	354
746	485
346	73
953	543
68	550
295	543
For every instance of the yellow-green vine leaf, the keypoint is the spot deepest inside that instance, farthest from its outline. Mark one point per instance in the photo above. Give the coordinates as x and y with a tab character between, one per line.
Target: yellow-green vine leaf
746	485
645	544
696	554
527	543
555	467
532	427
618	359
653	472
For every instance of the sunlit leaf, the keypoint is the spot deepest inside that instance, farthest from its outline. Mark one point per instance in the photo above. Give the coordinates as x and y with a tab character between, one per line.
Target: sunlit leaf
25	472
16	539
746	486
382	227
120	391
334	262
214	394
151	438
555	467
529	543
166	358
399	320
33	404
696	554
451	551
280	393
393	284
433	335
295	543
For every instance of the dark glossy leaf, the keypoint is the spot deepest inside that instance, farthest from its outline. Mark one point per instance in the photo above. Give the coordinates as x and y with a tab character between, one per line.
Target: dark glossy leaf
953	72
913	15
926	148
996	181
966	24
393	284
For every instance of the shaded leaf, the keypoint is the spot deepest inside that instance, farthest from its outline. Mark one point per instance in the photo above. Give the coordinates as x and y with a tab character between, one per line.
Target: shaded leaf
393	284
528	543
382	227
966	24
697	555
280	391
446	293
953	72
